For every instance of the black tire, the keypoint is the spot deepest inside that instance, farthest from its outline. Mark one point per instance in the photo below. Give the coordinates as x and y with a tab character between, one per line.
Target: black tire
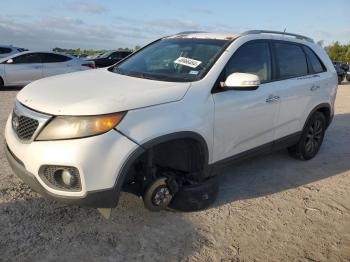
1	83
340	79
311	138
196	197
149	196
347	77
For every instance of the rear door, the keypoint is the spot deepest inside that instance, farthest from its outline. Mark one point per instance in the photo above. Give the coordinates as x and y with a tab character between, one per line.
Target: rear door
246	119
296	84
55	64
24	69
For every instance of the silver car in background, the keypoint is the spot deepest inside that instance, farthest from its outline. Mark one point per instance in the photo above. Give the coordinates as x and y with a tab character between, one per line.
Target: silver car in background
22	68
7	50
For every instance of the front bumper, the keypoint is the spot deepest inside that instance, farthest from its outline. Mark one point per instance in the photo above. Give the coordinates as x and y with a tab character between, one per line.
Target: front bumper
99	160
102	198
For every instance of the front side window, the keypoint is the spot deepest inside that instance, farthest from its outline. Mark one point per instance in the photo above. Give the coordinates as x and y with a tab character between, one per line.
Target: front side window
31	58
176	59
291	60
253	58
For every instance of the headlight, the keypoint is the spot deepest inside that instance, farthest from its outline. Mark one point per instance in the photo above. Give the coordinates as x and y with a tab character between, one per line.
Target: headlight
67	127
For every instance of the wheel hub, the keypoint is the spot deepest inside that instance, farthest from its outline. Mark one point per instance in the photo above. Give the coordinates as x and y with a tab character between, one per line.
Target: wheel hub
162	196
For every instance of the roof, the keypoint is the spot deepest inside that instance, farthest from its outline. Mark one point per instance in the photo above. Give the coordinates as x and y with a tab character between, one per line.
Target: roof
230	36
205	35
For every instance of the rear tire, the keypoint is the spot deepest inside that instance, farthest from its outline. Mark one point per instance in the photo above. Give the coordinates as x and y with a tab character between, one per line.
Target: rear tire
1	83
311	138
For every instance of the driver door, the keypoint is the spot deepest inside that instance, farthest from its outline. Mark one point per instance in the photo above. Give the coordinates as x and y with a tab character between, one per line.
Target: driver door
245	120
24	69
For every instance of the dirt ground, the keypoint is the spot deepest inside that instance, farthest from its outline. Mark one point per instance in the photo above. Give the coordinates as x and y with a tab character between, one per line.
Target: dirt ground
270	208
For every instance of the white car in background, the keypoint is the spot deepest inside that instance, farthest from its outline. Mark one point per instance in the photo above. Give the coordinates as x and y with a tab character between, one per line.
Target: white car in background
22	68
6	50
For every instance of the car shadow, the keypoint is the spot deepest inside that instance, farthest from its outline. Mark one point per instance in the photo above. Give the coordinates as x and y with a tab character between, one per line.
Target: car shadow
265	175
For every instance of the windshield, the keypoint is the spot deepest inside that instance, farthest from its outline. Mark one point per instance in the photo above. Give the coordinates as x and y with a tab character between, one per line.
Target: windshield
176	60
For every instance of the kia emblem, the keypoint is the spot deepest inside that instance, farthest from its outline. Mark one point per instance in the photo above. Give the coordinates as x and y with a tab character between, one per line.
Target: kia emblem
15	122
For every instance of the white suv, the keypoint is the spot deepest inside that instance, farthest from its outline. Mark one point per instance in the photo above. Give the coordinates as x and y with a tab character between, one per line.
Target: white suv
163	121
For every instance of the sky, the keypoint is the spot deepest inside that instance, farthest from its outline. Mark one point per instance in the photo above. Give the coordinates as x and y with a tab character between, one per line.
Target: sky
111	24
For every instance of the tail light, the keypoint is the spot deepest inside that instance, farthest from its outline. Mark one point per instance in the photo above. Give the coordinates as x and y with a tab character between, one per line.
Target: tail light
90	65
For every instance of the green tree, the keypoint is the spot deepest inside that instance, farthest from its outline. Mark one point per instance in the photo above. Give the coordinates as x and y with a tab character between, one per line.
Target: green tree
335	52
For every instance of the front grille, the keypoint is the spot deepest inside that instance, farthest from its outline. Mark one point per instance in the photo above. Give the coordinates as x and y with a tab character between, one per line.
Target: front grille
24	126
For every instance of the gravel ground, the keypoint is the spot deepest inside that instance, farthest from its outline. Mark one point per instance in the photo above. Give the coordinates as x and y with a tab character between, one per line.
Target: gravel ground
270	208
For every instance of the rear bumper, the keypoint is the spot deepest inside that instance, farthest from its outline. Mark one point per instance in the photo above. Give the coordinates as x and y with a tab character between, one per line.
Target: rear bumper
101	198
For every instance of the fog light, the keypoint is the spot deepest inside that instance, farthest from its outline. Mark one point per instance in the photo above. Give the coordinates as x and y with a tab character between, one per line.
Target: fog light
67	178
61	177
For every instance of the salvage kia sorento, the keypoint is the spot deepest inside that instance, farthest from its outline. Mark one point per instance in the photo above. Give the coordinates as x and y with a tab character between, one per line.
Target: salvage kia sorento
163	121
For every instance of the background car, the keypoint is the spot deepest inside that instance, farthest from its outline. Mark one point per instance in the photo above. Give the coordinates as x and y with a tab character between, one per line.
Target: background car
340	72
347	76
6	51
110	58
22	68
342	65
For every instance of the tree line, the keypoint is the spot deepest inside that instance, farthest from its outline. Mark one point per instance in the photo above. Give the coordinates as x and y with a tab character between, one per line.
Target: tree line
79	51
339	52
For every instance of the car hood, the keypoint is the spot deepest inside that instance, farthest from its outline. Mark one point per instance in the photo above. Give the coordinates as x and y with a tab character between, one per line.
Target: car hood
96	92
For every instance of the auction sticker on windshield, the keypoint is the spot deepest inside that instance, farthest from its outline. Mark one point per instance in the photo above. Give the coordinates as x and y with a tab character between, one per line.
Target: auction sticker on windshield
187	62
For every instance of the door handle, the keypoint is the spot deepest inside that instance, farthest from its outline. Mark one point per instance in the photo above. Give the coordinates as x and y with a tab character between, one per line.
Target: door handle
272	99
314	87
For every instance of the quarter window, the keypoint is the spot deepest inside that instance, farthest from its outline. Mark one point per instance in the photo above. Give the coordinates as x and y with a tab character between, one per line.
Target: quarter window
253	58
315	62
291	60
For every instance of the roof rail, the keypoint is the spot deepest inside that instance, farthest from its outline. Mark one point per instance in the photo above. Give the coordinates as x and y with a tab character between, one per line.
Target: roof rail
190	32
277	33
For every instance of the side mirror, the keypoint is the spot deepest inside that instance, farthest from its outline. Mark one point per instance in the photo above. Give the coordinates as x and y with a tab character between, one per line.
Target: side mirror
241	81
10	61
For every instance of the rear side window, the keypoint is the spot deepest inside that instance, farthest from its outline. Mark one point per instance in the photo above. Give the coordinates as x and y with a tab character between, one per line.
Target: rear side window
5	50
54	58
253	58
315	62
31	58
291	60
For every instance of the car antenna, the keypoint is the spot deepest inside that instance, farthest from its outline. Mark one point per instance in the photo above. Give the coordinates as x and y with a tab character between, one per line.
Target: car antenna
284	31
